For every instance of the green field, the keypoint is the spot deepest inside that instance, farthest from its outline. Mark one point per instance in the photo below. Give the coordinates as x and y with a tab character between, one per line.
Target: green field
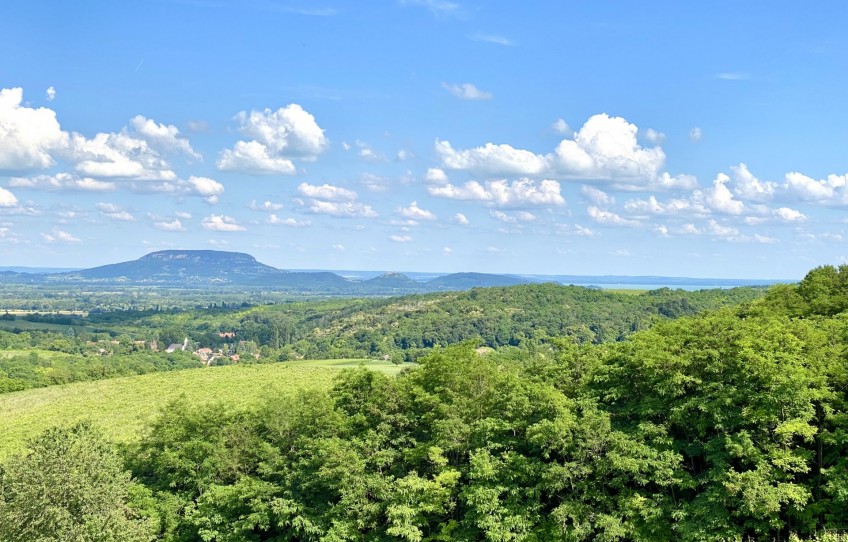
122	407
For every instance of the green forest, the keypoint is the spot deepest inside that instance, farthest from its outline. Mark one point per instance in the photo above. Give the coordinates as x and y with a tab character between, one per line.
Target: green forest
728	422
42	349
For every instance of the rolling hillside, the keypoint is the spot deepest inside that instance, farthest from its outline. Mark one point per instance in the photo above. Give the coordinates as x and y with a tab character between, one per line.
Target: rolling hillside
122	407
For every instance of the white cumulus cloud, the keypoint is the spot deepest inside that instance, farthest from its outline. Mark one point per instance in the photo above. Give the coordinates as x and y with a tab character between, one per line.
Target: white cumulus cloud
608	218
254	158
163	136
221	223
719	198
7	199
276	138
400	238
343	209
513	218
62	182
436	176
597	196
169	225
749	187
59	236
831	190
519	193
491	159
561	127
654	136
461	219
326	192
290	222
606	148
205	187
789	215
114	212
28	136
414	212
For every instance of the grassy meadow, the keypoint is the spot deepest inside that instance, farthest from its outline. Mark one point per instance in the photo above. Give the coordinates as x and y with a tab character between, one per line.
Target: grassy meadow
122	407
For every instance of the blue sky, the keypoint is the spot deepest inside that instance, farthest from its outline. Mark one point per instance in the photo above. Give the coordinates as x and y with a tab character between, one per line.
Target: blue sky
661	138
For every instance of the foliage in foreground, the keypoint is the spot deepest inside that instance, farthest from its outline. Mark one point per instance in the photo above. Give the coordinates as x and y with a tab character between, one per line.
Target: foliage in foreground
70	486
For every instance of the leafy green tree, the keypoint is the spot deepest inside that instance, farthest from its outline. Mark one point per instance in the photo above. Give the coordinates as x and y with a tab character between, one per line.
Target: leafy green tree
70	487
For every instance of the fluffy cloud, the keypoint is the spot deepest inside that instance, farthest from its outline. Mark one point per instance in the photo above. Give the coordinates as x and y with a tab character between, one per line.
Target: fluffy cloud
765	239
344	209
163	136
606	148
28	137
290	222
461	219
276	138
59	236
366	152
491	159
789	215
520	193
654	136
467	91
62	182
665	181
119	156
829	190
435	176
414	212
748	187
608	218
334	201
696	134
714	228
254	158
136	153
719	198
221	223
326	192
597	196
50	94
513	218
207	188
561	127
582	231
7	199
400	238
169	225
651	206
114	212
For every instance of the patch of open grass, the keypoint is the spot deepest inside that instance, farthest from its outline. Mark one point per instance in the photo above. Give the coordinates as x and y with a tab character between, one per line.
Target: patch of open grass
377	365
123	407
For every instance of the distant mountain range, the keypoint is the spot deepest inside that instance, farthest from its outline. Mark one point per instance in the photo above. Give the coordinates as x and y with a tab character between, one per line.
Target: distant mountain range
202	268
205	268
